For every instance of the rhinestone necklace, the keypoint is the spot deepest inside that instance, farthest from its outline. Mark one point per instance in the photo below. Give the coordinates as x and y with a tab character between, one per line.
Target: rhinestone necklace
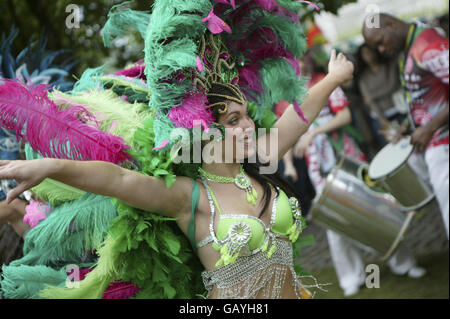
241	180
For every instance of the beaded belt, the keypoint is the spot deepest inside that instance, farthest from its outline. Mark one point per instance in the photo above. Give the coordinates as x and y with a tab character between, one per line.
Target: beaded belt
253	269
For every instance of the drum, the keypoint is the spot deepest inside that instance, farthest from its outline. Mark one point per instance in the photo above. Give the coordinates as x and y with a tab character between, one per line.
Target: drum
348	206
390	170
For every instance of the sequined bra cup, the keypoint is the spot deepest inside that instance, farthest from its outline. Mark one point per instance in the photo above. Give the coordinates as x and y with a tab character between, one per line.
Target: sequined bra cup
254	259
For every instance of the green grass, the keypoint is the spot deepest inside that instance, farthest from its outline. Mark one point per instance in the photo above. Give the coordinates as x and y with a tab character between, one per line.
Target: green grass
434	285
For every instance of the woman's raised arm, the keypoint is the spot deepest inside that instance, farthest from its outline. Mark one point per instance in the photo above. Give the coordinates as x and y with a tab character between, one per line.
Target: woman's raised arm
290	126
135	189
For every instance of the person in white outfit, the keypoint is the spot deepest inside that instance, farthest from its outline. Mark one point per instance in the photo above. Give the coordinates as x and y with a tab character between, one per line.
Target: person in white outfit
331	127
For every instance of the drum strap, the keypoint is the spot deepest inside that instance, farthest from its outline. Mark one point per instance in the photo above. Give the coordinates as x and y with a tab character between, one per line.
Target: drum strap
402	62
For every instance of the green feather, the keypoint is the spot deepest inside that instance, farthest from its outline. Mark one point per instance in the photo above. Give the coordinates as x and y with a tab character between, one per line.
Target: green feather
90	80
290	33
135	89
92	287
283	82
121	20
71	229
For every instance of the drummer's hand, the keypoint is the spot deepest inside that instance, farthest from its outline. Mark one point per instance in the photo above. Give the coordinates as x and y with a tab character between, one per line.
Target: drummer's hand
340	68
400	133
421	138
302	145
26	173
291	172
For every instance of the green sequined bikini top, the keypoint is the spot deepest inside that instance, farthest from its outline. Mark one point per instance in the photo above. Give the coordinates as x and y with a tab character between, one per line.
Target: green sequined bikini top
243	235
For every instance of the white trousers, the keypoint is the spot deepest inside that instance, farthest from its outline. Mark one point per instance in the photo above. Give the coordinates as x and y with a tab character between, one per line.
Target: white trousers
437	159
349	264
433	167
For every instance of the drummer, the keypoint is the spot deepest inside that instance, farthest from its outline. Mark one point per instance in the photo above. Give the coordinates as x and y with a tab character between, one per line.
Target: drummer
423	59
324	139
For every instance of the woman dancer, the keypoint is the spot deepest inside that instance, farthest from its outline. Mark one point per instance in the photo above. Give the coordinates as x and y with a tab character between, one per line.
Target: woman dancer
151	194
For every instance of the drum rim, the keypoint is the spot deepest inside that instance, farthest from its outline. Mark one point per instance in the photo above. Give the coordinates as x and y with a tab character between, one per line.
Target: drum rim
395	170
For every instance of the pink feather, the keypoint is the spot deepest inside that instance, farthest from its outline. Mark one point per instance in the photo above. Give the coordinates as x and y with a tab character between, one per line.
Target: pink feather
193	108
50	131
116	289
161	146
136	71
35	212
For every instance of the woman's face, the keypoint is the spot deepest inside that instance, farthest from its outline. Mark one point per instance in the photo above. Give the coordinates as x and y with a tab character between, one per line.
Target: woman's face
240	140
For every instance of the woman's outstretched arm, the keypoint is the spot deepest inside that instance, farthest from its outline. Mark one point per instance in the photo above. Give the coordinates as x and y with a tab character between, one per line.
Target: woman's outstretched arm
103	178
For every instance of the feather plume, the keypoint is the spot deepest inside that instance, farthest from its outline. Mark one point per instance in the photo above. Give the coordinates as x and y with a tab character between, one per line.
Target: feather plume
112	114
25	282
73	228
37	120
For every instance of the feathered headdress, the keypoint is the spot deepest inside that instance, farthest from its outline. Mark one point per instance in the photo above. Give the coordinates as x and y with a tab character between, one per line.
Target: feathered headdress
250	46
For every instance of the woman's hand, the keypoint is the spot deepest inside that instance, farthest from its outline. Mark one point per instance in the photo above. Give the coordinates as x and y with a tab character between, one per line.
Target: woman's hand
302	145
339	68
26	173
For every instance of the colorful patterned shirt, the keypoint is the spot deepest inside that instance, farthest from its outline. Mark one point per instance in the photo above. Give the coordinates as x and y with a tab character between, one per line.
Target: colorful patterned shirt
426	78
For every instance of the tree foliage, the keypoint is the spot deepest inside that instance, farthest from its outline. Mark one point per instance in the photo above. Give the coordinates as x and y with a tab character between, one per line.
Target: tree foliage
34	17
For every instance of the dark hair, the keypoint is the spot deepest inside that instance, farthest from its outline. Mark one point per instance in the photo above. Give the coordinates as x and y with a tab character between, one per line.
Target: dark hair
253	169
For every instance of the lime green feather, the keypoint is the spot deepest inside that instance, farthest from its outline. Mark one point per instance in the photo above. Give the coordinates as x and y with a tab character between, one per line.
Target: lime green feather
109	110
56	193
96	282
50	190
